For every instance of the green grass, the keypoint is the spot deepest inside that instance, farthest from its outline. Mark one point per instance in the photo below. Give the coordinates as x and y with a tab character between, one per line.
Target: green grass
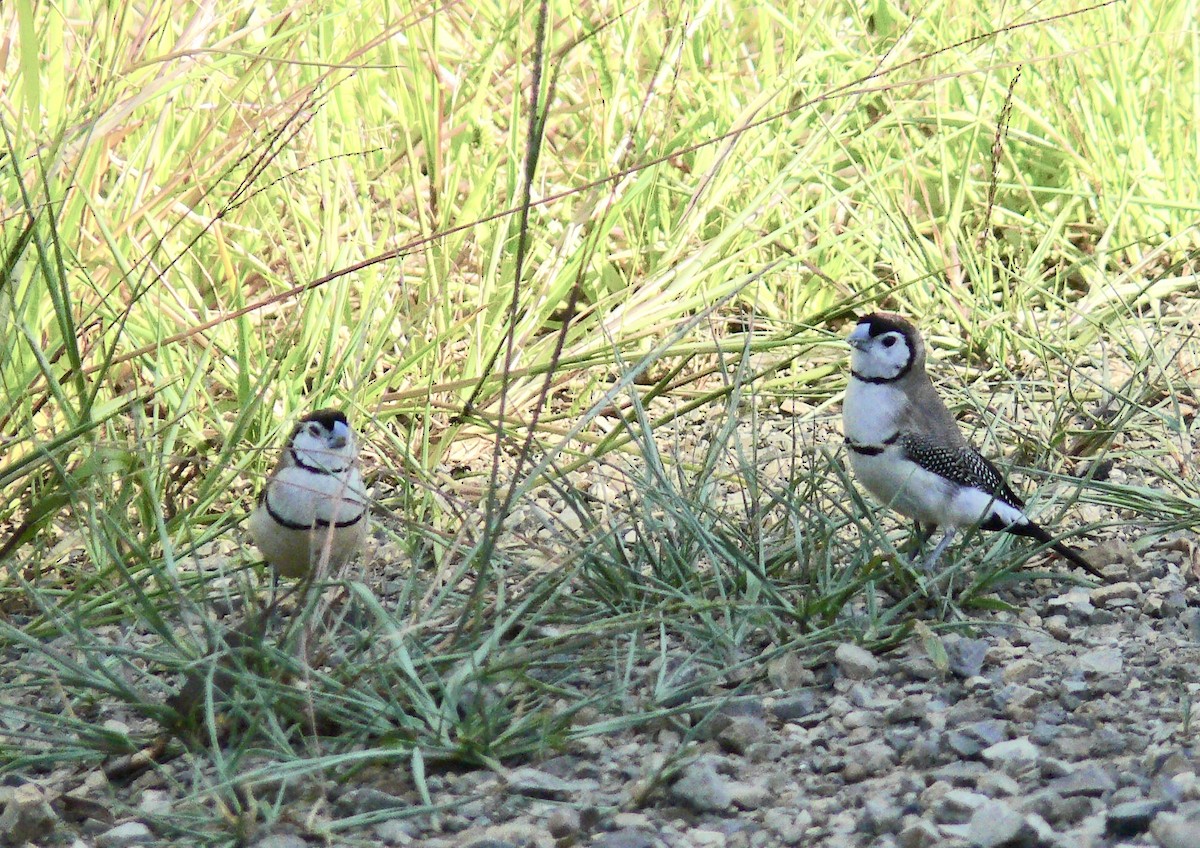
537	252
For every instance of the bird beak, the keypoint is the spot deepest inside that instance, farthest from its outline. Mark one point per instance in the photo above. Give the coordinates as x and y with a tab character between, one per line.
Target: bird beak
340	436
859	338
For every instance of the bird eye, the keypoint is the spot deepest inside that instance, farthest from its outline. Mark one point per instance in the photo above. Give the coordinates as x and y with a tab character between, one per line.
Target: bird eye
888	341
314	429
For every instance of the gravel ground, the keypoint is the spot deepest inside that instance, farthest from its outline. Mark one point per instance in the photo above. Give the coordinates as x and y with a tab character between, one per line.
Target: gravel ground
1066	725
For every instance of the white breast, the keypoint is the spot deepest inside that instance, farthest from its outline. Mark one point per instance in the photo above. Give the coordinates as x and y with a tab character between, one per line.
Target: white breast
302	497
308	500
870	411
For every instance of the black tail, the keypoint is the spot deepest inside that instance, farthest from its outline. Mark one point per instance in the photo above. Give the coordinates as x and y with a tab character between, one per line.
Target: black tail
1035	532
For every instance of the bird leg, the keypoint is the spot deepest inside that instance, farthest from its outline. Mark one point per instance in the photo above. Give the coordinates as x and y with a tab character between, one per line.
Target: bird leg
920	535
932	559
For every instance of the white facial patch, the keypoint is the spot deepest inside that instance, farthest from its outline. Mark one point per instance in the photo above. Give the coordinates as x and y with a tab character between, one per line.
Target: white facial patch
881	357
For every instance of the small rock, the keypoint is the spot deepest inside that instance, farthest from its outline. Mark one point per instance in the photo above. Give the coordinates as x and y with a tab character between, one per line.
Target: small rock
870	759
703	837
958	806
155	802
1088	780
1045	833
1190	620
741	732
854	662
788	672
1173	831
700	788
1012	756
534	783
918	833
959	773
130	833
744	707
520	833
789	828
911	708
281	840
996	784
963	744
880	815
1056	626
794	706
626	838
27	815
1102	662
1075	603
860	718
563	822
390	832
994	824
1022	670
966	656
748	796
1132	818
1111	552
1017	698
1107	595
987	732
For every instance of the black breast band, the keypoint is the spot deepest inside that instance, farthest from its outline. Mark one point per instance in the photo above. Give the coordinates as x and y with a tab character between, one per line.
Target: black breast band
318	523
873	450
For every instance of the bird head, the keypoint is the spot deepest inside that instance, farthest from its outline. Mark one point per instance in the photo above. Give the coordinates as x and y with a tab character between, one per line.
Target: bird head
885	347
324	439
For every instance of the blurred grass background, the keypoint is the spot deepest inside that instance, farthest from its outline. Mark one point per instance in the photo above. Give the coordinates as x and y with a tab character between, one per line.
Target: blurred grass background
516	240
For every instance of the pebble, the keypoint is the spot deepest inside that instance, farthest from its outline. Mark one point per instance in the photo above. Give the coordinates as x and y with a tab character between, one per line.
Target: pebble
539	784
789	827
129	833
1102	662
880	815
794	706
1174	831
27	816
870	759
1022	670
788	672
368	800
958	806
1132	818
910	708
626	838
700	788
748	796
995	824
918	833
967	656
1104	596
390	832
855	662
1012	756
741	732
995	784
1089	780
563	822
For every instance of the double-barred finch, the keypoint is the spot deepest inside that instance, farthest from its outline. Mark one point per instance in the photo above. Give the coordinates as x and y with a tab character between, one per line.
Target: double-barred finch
906	448
313	508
